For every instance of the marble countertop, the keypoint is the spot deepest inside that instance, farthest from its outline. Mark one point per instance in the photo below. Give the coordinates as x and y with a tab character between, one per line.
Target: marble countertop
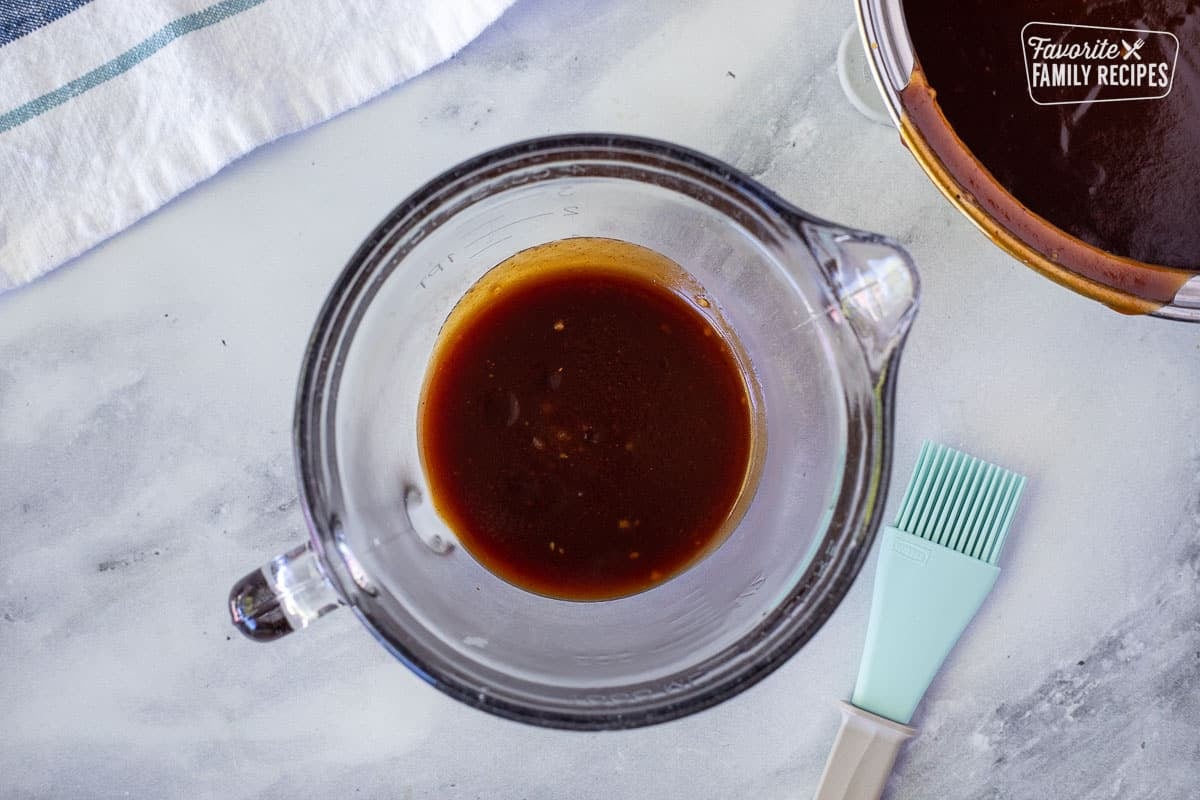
145	463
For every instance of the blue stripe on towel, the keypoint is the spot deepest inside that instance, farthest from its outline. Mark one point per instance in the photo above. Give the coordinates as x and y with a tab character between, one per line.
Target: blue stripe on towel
126	61
19	17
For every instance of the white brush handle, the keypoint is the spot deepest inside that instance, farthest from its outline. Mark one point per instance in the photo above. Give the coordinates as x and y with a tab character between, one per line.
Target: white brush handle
862	756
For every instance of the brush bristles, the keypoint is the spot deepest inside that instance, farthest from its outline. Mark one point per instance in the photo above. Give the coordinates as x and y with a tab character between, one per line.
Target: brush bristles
960	502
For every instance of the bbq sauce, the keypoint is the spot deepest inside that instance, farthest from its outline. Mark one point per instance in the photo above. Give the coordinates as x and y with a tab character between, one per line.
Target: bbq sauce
588	426
1120	177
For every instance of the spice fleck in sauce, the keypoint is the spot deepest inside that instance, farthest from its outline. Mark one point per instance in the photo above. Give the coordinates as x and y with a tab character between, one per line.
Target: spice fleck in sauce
587	430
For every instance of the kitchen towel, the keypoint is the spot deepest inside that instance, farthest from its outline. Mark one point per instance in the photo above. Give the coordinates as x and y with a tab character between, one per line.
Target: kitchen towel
109	108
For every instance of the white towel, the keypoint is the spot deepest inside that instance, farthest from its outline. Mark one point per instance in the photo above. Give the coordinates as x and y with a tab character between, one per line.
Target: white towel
109	108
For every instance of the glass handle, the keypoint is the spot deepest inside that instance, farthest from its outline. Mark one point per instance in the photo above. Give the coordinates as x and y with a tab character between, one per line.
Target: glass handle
285	595
875	284
858	83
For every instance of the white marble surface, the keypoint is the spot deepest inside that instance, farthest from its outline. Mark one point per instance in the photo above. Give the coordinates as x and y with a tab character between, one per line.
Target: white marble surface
145	404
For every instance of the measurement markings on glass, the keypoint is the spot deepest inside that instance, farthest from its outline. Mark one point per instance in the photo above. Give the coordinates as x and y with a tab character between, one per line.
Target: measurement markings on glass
438	267
491	244
496	230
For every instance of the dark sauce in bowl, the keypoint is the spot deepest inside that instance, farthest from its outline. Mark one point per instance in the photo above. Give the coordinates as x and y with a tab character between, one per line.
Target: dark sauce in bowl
587	429
1049	142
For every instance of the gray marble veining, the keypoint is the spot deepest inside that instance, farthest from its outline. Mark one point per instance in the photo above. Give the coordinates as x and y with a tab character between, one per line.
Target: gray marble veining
145	464
1131	703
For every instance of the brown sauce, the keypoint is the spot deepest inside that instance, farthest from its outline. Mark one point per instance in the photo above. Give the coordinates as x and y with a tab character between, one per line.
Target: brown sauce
587	429
1106	188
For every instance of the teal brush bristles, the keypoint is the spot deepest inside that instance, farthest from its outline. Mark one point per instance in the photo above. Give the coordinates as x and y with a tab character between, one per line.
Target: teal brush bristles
936	565
960	502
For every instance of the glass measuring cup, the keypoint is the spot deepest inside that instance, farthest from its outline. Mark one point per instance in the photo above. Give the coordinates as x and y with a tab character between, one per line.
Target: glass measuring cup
821	311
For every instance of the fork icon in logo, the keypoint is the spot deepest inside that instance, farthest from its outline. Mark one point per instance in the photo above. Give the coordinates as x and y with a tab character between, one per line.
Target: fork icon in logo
1128	49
